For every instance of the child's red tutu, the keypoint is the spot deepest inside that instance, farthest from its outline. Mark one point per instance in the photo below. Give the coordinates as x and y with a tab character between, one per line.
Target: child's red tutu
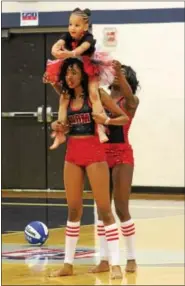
99	65
53	68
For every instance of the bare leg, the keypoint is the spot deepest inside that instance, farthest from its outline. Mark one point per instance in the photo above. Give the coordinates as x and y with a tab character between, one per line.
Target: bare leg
98	175
74	189
62	117
122	180
103	266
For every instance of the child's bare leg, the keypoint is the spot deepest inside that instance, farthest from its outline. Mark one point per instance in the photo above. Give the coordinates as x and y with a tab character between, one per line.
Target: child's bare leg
95	96
97	108
62	117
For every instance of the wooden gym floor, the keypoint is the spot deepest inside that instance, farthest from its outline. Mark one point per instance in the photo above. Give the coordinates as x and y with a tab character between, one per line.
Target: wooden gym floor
159	241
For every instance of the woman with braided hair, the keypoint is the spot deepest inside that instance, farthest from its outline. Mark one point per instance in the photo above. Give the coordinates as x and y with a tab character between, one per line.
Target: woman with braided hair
119	156
78	41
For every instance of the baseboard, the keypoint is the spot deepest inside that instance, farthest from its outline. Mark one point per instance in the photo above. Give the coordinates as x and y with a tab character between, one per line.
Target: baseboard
158	190
135	189
138	192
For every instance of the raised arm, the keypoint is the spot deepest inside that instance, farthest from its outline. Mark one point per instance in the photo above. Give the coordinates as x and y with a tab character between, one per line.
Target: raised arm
132	101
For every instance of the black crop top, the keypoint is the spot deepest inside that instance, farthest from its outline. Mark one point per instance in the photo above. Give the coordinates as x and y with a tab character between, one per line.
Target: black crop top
80	120
88	37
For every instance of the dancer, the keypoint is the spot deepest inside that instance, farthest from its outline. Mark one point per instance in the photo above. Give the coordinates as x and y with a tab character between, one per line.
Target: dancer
119	155
85	152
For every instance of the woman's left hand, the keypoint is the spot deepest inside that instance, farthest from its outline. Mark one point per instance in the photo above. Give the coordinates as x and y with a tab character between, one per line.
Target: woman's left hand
56	126
99	118
116	65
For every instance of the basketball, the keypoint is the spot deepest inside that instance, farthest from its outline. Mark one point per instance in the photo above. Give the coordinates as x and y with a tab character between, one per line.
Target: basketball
36	232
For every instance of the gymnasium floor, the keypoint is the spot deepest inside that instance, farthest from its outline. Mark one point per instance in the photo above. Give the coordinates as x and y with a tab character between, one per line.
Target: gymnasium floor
160	243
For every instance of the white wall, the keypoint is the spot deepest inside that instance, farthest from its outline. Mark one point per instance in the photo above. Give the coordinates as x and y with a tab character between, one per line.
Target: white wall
156	52
65	6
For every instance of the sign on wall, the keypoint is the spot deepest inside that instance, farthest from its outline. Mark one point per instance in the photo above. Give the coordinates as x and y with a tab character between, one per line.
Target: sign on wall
110	37
29	18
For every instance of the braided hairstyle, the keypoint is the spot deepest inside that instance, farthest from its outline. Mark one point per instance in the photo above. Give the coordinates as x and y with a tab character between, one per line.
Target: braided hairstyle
85	14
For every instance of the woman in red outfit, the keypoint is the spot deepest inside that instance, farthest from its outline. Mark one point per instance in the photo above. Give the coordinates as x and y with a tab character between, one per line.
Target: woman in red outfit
119	155
86	153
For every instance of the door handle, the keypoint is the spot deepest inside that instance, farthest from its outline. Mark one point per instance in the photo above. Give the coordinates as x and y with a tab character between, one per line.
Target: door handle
40	113
25	114
50	114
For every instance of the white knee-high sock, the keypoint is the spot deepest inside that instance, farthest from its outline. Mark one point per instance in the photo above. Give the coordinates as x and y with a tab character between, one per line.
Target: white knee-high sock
104	252
128	231
112	237
71	239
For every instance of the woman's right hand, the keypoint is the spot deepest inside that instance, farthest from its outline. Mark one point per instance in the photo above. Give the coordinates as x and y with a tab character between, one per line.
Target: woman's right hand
59	127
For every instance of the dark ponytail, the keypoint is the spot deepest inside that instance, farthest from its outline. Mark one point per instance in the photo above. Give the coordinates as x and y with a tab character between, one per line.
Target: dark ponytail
131	77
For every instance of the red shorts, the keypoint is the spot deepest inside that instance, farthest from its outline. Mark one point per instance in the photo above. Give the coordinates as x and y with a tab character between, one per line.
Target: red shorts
118	154
85	151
